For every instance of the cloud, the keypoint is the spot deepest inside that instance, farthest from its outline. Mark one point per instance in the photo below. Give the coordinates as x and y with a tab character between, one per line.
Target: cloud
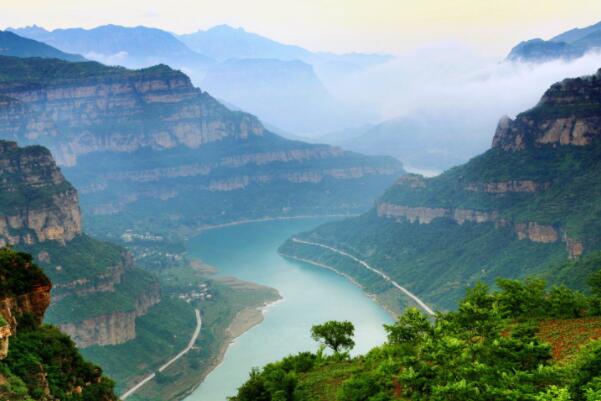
118	58
451	82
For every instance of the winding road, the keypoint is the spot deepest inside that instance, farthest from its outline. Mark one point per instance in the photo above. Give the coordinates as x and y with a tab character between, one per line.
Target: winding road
171	361
380	273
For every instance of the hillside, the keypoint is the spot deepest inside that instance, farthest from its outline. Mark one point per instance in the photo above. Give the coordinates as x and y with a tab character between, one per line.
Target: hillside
38	362
17	46
528	203
572	44
150	152
275	91
522	342
133	47
97	293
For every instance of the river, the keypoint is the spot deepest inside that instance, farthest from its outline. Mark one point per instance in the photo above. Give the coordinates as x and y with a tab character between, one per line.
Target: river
311	295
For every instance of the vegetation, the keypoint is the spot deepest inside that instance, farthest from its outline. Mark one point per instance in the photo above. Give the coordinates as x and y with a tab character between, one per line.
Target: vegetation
491	348
42	362
335	335
18	273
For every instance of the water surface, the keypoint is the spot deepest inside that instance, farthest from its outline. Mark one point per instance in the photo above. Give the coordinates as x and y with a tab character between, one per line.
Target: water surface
311	295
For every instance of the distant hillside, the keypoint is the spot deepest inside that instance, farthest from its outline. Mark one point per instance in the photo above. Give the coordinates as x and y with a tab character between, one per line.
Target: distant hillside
287	94
569	45
421	141
150	151
133	47
522	208
17	46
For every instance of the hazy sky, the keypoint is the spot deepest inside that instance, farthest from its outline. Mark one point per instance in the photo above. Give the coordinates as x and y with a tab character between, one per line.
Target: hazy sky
334	25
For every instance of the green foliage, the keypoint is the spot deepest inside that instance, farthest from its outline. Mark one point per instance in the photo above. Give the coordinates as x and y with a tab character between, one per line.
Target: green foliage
18	273
479	352
42	362
45	351
336	335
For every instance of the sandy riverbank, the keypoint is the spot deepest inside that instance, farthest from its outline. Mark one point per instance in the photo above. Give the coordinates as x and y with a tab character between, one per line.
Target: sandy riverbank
244	320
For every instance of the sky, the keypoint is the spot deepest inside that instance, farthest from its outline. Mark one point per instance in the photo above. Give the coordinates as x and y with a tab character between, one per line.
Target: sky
390	26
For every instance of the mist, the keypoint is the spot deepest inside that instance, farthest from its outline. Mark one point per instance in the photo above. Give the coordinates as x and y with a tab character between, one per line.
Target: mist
444	100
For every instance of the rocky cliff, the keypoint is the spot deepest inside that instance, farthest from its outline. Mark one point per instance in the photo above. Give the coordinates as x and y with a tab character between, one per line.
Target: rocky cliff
142	141
521	208
568	114
37	204
24	290
114	328
39	212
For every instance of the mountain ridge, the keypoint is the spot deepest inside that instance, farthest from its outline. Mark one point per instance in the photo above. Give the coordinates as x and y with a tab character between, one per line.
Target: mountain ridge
525	205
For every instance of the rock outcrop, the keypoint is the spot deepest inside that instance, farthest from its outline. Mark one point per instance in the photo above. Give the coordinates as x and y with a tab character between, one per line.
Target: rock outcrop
39	212
37	203
115	328
531	231
568	114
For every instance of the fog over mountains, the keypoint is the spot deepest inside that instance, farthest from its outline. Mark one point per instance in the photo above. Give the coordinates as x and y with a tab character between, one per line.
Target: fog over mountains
405	106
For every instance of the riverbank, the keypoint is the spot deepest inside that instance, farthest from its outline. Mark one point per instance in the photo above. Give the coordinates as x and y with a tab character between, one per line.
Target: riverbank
312	296
225	314
387	306
276	218
244	320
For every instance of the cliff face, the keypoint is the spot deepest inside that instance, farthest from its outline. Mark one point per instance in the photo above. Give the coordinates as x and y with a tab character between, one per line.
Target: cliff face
39	212
115	328
141	141
568	114
37	203
74	113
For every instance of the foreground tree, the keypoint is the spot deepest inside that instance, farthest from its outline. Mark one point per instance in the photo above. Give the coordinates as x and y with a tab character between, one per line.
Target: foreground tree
335	335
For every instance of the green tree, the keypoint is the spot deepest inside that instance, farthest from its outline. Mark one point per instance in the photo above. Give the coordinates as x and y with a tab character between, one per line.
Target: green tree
336	335
410	328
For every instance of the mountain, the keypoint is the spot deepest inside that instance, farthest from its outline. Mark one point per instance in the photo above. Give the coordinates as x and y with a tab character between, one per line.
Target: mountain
133	47
223	42
38	362
277	91
150	151
17	46
572	44
528	203
97	293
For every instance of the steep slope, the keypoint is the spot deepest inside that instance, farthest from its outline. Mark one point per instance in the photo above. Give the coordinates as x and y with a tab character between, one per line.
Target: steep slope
276	91
133	47
17	46
97	292
530	201
148	150
38	362
572	44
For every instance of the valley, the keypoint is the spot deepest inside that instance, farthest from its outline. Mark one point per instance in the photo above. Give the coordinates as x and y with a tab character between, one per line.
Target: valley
217	215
